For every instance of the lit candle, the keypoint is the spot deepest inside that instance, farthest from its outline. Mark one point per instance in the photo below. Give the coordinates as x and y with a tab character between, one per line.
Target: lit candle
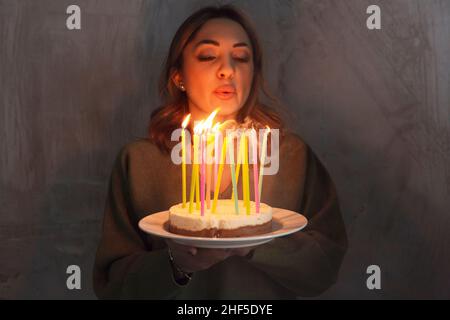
255	168
203	173
216	151
239	160
209	167
194	175
197	188
219	174
233	178
183	158
263	159
245	176
208	151
192	189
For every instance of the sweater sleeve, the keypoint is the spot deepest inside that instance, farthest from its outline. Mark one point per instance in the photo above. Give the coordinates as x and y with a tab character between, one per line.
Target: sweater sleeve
307	262
126	263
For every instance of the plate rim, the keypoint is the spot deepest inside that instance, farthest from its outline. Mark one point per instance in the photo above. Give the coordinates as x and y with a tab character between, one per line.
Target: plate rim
267	236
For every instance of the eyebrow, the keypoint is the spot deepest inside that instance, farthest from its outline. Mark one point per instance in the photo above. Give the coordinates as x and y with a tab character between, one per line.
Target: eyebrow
215	43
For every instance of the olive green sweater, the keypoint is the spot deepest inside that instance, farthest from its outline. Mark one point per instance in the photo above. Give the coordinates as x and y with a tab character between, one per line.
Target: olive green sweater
132	264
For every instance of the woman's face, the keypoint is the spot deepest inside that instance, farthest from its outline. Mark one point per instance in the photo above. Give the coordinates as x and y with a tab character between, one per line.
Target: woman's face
217	69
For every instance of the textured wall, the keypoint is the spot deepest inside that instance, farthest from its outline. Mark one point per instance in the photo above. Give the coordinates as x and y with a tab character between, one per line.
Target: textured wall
373	104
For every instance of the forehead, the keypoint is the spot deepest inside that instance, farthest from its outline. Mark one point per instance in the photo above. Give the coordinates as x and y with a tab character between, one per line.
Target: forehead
222	30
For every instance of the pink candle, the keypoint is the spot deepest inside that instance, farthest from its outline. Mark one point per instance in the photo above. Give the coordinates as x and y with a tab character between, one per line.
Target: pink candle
255	169
216	155
203	174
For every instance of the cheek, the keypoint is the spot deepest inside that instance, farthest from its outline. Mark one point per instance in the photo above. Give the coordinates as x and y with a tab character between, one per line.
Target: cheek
246	78
198	77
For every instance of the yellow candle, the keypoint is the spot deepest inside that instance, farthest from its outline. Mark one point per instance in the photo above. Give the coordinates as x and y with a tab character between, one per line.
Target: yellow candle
195	180
245	177
183	158
234	195
194	176
238	165
209	167
197	188
219	174
208	126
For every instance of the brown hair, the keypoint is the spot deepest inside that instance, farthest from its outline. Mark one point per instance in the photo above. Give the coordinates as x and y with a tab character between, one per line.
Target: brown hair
169	116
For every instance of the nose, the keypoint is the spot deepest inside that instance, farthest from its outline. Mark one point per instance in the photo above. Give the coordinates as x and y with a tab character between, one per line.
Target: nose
226	69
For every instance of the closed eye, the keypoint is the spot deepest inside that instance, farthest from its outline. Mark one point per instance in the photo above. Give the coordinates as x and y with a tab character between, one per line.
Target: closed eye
242	59
206	58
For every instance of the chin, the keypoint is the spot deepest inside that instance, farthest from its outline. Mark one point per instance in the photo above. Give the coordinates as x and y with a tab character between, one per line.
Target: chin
227	112
228	107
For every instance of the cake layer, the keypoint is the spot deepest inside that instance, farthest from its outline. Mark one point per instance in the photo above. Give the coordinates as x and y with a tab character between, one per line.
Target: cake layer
225	218
225	233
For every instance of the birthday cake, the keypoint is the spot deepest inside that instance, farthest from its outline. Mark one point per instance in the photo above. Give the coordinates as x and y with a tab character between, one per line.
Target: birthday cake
224	223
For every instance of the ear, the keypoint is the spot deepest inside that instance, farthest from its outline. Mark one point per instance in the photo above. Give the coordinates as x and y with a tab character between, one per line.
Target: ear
176	78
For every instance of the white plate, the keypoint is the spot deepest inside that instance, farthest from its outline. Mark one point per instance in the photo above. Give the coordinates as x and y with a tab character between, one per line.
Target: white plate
284	222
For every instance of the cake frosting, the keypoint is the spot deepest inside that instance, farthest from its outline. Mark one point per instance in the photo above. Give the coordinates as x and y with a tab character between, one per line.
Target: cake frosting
223	223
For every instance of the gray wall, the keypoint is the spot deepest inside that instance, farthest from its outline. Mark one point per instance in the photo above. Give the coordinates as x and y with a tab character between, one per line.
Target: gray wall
374	105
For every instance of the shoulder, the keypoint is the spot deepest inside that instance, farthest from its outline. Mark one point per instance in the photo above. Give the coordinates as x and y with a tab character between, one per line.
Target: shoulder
139	150
293	143
139	145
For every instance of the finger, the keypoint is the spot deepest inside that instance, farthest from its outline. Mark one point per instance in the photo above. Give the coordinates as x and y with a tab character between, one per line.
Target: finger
239	252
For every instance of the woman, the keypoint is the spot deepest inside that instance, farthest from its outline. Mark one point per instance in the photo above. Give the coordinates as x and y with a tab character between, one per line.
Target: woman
215	59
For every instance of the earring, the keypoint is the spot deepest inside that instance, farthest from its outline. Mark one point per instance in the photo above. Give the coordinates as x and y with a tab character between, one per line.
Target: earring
181	86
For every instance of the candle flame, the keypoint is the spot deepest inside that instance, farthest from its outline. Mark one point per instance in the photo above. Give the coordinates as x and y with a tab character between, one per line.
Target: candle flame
199	127
216	128
186	121
268	128
228	124
209	120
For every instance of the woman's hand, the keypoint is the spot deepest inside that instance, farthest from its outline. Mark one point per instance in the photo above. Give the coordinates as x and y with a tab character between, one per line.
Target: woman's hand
192	259
242	252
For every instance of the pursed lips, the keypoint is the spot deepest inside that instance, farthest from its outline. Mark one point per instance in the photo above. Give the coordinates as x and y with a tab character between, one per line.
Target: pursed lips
225	89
